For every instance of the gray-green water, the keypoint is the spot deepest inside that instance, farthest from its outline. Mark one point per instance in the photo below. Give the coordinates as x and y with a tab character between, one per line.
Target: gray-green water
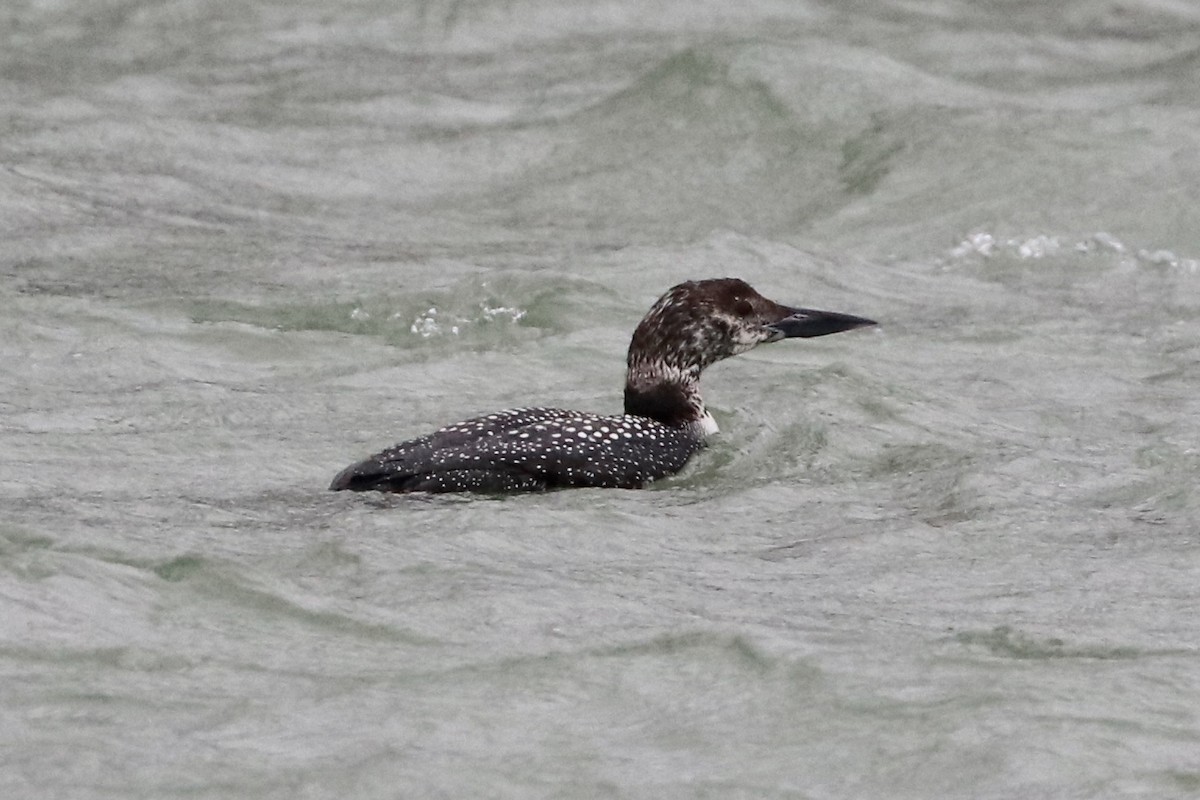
247	243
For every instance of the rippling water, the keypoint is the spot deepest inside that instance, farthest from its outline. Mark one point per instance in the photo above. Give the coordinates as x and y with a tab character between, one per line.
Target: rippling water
246	244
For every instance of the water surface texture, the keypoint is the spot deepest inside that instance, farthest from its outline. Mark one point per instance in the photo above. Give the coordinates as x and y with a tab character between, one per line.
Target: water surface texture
248	243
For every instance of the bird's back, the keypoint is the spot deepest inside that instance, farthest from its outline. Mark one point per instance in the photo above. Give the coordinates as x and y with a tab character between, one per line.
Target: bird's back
528	449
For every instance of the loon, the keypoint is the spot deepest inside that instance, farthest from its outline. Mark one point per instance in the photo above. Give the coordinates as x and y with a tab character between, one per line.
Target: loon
692	326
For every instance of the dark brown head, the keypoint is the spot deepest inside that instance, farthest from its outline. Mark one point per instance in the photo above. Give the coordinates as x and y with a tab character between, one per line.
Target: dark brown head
698	323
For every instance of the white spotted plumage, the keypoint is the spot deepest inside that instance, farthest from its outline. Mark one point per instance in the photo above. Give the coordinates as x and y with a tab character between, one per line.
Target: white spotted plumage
665	422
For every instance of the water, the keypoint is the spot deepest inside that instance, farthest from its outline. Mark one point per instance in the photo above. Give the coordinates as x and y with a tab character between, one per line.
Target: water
246	244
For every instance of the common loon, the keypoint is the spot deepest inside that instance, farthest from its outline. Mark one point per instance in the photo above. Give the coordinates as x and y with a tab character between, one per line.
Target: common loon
693	325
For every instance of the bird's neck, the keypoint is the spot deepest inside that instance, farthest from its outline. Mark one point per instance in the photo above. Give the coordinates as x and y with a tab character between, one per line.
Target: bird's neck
667	394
